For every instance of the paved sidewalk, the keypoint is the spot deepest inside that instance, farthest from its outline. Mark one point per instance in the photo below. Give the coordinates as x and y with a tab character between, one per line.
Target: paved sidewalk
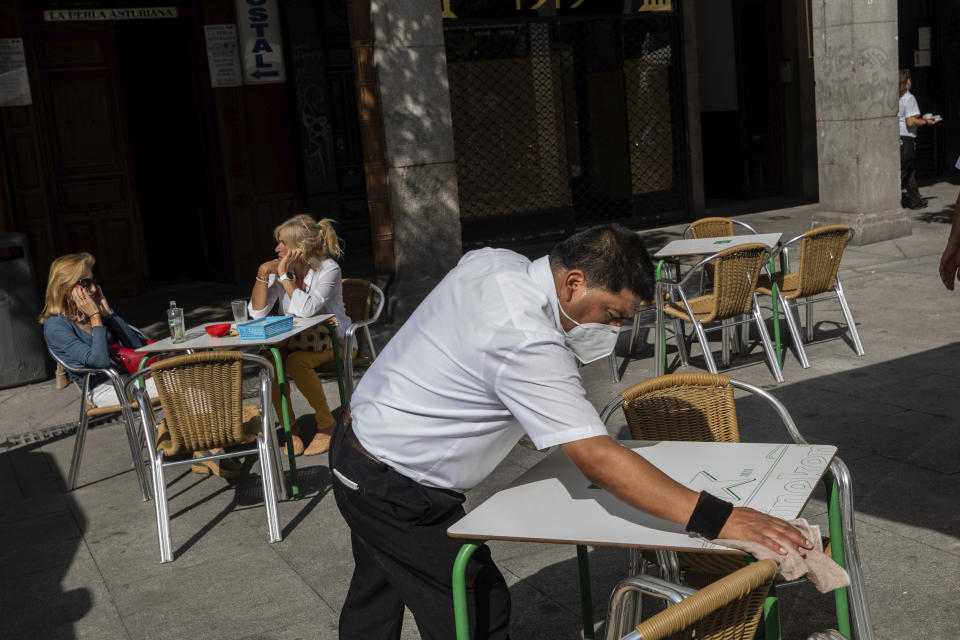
85	564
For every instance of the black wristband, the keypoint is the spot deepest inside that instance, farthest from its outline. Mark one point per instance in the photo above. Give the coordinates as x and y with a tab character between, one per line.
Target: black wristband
709	516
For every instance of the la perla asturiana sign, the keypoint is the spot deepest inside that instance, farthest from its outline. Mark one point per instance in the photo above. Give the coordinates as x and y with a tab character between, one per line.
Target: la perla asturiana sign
261	43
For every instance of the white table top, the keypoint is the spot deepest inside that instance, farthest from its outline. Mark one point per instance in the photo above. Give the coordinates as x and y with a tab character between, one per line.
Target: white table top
198	339
554	502
704	246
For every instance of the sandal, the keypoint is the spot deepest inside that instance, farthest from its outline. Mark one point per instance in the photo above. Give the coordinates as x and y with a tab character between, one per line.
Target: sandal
319	444
229	470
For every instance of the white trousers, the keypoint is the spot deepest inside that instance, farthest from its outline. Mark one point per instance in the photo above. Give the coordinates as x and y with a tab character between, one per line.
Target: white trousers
104	395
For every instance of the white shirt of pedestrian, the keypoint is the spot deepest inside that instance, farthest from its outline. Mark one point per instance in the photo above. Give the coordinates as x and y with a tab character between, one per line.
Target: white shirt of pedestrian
481	362
907	108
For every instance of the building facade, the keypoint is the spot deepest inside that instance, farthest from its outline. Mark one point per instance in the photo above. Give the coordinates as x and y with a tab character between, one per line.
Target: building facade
169	137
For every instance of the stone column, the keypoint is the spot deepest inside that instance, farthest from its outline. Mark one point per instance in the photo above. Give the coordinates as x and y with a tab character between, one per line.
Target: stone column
855	69
418	134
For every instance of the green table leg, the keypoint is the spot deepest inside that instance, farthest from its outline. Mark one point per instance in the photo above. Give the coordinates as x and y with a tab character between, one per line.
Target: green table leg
460	617
836	550
662	337
331	328
771	616
285	420
586	600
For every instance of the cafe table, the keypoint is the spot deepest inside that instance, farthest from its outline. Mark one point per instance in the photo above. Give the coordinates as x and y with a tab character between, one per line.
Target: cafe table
197	339
687	247
554	503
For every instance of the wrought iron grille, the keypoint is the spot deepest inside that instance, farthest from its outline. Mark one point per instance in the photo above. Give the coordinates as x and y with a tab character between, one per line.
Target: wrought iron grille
560	124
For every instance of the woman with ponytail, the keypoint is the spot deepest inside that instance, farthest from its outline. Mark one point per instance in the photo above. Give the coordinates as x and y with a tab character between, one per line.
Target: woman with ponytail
305	280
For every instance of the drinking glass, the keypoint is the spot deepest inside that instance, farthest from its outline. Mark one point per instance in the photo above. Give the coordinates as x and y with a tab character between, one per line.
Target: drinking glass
239	308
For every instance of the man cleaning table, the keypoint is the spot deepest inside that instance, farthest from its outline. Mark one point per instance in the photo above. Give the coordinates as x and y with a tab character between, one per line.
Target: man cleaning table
490	355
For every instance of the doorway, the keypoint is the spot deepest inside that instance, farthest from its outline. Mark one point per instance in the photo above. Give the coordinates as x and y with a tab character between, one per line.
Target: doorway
158	81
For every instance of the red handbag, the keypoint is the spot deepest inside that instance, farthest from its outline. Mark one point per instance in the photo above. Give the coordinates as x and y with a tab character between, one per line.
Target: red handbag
127	358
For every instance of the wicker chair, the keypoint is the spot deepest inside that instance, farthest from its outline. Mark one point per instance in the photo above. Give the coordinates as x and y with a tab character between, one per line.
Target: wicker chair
201	398
736	273
90	412
696	407
363	302
715	228
728	609
820	252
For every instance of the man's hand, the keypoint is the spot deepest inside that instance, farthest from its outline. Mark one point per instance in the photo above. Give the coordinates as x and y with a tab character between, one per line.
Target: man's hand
949	264
751	525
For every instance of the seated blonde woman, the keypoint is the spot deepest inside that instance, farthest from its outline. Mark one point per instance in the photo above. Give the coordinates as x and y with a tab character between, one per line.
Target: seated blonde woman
305	280
79	326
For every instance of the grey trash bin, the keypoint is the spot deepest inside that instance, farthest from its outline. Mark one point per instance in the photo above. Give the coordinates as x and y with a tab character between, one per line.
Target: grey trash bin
23	356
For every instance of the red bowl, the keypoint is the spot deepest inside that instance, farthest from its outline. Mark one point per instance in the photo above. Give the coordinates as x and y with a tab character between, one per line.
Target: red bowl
218	330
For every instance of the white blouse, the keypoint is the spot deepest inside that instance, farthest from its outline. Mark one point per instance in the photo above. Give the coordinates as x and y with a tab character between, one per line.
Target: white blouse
324	294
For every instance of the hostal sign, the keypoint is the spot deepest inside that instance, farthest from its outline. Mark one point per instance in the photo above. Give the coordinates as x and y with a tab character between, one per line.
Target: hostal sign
261	46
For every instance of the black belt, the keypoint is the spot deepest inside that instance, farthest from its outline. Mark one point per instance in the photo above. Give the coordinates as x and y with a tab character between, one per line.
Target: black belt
352	437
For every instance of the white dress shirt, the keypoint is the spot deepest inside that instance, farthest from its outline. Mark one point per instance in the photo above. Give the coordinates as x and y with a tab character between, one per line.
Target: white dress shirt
907	108
481	361
324	294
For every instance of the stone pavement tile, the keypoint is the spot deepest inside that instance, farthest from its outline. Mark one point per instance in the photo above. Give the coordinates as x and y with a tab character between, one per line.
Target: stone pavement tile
913	437
906	592
913	502
68	601
230	596
209	520
40	543
32	406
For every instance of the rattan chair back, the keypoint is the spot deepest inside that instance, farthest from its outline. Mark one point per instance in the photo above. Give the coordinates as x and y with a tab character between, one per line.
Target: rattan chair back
820	252
201	396
736	272
357	299
682	406
711	228
728	609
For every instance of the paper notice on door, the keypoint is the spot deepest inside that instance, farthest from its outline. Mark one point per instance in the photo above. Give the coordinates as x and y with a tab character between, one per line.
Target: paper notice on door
14	84
223	56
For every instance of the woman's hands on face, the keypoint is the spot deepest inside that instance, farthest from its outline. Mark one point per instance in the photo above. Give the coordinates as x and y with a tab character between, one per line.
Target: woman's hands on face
102	305
86	304
286	262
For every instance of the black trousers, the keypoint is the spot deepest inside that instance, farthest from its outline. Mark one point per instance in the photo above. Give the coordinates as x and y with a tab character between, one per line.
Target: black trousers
908	170
403	555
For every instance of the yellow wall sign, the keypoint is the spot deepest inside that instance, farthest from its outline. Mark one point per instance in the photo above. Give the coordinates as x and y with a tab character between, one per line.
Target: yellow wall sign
656	5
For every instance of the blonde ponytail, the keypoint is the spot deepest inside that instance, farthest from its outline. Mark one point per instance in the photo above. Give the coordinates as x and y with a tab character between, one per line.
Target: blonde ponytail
317	240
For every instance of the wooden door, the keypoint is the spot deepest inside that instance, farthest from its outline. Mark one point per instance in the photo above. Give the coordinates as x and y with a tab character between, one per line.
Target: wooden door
92	196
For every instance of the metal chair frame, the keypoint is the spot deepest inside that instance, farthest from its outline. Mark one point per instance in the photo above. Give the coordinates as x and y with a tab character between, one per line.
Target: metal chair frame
266	449
350	338
134	435
676	286
842	508
789	305
762	572
689	232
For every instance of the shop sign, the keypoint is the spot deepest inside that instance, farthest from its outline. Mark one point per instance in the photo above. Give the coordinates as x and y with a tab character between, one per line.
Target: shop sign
86	15
14	84
261	45
223	56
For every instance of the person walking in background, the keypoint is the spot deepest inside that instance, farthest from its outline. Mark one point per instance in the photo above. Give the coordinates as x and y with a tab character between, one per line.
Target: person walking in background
305	279
908	114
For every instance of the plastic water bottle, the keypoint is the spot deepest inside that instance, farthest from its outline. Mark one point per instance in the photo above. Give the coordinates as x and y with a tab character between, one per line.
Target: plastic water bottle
175	321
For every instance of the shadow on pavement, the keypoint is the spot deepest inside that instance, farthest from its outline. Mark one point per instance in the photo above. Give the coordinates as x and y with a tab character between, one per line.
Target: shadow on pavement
41	549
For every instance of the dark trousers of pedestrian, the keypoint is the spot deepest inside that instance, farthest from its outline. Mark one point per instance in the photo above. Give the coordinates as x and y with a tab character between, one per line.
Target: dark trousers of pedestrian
403	555
908	171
